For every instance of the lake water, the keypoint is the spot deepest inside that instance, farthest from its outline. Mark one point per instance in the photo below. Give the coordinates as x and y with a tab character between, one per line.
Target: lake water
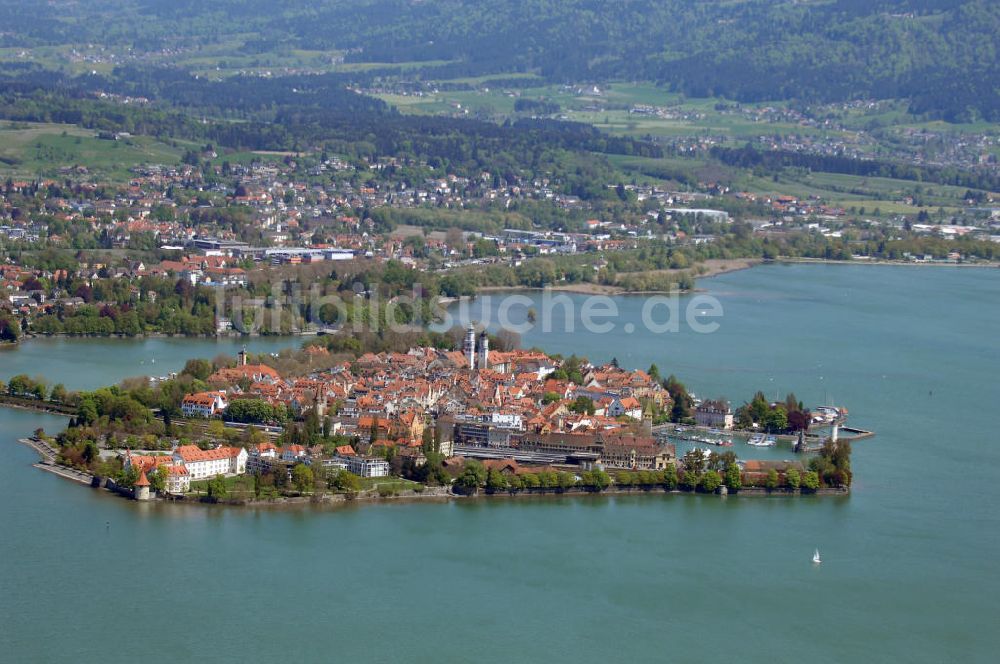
87	363
910	568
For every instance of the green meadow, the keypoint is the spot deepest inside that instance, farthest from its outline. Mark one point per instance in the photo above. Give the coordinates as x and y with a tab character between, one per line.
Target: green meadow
32	150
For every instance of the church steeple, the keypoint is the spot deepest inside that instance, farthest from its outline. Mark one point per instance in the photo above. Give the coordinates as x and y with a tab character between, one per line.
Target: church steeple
470	346
484	350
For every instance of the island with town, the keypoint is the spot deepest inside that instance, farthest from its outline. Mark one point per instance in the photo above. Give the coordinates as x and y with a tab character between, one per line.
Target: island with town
310	426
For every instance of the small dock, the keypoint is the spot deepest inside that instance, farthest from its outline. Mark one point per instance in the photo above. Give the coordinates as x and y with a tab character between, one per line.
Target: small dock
813	442
855	433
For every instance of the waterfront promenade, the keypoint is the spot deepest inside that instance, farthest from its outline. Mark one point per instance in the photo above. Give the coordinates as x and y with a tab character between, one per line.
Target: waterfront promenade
49	464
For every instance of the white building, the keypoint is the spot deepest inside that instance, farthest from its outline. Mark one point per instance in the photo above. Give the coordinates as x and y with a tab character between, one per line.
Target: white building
202	464
178	479
714	414
507	420
204	404
261	458
367	466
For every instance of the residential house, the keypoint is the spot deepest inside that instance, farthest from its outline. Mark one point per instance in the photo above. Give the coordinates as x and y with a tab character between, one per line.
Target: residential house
204	404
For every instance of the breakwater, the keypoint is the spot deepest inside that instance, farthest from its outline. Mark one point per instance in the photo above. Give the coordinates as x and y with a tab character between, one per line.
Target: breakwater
37	405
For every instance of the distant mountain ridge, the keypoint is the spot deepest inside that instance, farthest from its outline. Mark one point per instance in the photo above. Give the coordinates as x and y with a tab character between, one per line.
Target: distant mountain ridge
944	55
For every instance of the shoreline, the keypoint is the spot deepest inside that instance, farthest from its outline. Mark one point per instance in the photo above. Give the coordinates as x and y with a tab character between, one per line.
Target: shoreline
161	335
45	407
433	494
879	261
334	501
712	268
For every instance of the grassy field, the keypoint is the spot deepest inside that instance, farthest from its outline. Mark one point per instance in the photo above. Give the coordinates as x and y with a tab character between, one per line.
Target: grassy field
848	191
835	189
387	484
30	150
606	108
646	170
237	488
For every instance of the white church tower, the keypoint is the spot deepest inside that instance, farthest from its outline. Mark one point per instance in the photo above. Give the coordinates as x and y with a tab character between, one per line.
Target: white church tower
484	350
470	346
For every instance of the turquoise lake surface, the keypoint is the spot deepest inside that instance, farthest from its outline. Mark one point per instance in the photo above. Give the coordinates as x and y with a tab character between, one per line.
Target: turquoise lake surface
910	569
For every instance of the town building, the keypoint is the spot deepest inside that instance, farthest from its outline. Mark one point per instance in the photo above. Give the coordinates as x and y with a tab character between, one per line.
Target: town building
204	404
715	414
201	464
366	466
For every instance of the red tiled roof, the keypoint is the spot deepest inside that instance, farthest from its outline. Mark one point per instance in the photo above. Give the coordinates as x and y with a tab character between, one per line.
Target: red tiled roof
192	453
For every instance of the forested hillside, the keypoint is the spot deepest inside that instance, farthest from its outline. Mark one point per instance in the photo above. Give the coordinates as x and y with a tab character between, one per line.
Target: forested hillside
942	54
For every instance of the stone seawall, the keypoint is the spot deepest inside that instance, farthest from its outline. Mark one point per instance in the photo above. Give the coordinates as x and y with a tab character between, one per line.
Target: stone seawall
446	494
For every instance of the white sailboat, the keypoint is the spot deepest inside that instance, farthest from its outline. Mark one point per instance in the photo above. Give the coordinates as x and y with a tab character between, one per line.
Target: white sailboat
816	558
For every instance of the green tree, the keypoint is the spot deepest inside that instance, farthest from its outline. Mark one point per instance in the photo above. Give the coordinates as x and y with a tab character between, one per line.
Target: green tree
758	408
198	368
583	405
733	480
680	411
810	480
776	419
624	479
694	461
596	480
10	329
689	481
550	397
670	477
255	411
772	480
833	463
495	481
129	477
302	477
216	429
793	479
344	481
217	488
158	479
58	393
473	476
20	385
710	481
